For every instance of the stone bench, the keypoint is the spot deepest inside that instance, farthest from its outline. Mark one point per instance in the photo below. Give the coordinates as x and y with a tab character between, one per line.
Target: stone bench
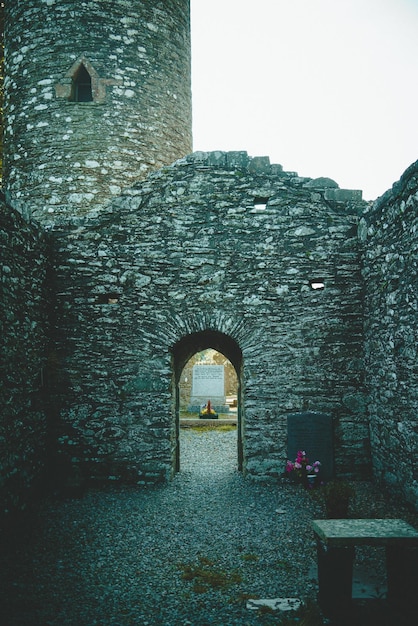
336	540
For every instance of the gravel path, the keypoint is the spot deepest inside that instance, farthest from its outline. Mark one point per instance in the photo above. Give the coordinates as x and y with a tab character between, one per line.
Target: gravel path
186	553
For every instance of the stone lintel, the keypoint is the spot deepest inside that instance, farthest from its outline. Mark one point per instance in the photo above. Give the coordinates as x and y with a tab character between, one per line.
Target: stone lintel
343	195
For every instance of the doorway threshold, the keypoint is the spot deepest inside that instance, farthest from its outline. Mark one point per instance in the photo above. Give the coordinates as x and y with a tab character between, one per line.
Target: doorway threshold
193	422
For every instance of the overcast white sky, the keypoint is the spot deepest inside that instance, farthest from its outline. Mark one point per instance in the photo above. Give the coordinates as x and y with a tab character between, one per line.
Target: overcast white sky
324	87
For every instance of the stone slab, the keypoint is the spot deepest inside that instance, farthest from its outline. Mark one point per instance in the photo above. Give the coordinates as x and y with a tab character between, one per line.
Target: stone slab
208	381
372	532
275	604
312	432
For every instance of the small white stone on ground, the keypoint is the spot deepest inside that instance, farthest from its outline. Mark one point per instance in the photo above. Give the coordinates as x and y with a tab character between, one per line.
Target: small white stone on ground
277	604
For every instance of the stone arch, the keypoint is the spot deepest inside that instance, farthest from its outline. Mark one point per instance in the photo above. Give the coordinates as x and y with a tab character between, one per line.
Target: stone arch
182	351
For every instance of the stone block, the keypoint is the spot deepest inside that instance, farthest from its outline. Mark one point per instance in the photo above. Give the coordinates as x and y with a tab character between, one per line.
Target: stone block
216	158
343	195
322	183
237	159
259	165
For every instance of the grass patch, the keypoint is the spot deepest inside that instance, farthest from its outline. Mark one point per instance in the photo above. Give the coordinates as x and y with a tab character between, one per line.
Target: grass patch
250	557
206	575
225	428
284	565
243	597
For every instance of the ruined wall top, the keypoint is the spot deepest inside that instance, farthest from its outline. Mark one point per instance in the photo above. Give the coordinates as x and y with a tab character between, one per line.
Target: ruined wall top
261	166
402	189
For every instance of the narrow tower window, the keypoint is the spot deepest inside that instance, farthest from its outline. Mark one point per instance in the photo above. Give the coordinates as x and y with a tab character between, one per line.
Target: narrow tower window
81	88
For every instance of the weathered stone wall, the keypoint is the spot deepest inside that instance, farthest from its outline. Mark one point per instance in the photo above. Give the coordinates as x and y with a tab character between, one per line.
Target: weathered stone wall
146	274
23	349
390	235
64	157
189	251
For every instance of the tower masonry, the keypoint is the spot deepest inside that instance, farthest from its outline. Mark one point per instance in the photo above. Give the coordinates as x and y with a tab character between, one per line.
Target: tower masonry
97	94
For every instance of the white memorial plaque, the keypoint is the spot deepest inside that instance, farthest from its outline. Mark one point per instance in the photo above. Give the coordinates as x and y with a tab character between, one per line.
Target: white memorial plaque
208	381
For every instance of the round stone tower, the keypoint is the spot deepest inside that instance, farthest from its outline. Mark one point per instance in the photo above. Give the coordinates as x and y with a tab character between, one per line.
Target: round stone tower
97	94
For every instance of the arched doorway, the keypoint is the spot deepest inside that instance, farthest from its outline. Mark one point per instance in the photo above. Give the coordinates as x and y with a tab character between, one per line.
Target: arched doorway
182	351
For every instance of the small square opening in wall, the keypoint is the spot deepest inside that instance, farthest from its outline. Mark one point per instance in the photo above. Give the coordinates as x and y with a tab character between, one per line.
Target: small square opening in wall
108	298
316	284
260	203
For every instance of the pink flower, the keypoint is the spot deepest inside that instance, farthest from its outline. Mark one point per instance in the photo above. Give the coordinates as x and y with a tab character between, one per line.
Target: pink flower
301	467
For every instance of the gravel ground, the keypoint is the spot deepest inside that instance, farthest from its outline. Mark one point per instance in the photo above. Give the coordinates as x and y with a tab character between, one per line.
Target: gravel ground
186	553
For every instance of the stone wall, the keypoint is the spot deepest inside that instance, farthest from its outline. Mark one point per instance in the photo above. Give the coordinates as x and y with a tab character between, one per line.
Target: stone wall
219	251
192	258
390	235
23	349
66	157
